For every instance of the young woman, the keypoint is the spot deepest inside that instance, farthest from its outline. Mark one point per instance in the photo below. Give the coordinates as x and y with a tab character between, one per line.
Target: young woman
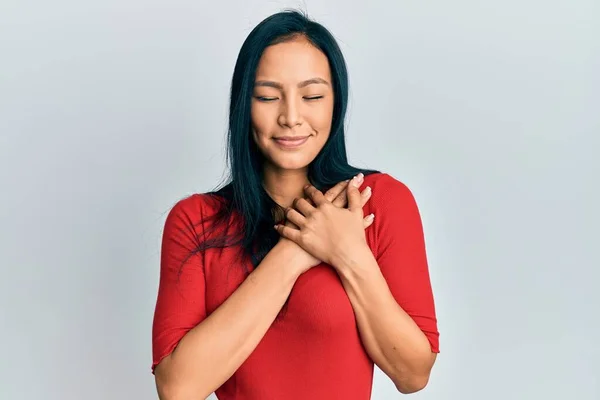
277	286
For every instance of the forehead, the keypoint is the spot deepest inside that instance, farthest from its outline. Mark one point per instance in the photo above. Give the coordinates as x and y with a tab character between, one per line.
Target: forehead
293	61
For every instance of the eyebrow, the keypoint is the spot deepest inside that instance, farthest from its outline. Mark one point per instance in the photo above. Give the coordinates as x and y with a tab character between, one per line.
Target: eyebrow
302	84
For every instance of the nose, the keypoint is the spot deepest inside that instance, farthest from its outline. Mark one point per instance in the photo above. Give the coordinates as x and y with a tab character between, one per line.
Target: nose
290	114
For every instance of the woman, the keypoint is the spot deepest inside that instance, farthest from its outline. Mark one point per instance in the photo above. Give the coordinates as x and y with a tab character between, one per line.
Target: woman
277	286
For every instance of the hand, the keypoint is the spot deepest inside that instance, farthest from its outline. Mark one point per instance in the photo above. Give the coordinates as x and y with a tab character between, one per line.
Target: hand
337	195
327	232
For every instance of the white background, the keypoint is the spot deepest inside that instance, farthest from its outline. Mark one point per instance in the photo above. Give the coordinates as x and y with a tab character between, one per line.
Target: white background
111	111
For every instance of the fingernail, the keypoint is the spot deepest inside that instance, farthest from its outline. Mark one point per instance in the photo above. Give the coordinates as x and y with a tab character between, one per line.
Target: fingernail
367	191
371	217
357	180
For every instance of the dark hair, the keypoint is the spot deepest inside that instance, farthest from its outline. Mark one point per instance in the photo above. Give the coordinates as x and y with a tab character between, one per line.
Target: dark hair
244	194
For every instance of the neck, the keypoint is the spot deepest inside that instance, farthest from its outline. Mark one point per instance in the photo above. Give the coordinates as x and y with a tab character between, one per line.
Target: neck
285	185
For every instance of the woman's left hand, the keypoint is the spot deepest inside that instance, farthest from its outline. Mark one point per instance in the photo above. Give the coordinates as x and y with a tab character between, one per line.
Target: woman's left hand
329	233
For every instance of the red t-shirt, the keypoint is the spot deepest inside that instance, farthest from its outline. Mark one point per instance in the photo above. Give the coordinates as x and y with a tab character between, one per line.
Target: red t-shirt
314	351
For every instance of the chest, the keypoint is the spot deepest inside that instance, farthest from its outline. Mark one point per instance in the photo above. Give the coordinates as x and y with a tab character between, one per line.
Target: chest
317	305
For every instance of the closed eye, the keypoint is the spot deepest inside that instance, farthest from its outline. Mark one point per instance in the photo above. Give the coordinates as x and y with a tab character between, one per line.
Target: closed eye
265	99
268	99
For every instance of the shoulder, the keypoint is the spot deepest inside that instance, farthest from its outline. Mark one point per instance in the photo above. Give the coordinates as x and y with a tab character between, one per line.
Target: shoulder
387	189
198	203
192	209
382	178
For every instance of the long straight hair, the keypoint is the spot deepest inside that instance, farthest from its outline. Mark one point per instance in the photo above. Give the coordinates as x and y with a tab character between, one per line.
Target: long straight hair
243	193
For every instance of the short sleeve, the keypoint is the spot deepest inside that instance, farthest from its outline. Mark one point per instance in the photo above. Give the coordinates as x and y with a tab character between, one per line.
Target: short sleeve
180	304
401	253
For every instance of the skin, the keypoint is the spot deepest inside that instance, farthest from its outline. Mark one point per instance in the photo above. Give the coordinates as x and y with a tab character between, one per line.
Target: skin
283	105
293	96
291	110
214	349
390	336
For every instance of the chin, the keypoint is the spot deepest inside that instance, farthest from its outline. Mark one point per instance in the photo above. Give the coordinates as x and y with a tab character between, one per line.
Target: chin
291	166
291	162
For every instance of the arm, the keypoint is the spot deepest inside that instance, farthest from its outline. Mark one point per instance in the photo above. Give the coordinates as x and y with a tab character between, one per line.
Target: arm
208	350
391	292
390	336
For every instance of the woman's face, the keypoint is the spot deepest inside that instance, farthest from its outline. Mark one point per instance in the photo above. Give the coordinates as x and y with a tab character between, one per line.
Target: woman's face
292	104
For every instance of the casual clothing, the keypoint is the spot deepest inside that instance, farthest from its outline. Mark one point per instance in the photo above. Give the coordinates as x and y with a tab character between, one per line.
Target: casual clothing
315	350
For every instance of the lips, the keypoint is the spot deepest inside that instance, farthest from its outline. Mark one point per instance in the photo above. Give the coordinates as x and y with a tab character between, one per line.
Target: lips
291	141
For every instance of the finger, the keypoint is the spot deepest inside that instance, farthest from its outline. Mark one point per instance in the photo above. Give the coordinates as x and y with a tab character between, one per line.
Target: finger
335	191
342	199
315	195
365	195
368	220
304	207
295	217
354	198
288	233
290	224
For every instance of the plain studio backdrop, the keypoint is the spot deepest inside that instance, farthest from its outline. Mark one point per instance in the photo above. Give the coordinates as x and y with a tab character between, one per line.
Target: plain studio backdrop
112	111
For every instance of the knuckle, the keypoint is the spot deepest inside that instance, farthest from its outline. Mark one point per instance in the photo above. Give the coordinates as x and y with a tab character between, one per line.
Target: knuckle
327	206
303	236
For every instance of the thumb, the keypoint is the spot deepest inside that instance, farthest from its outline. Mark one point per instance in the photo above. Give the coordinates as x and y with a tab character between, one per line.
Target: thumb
354	198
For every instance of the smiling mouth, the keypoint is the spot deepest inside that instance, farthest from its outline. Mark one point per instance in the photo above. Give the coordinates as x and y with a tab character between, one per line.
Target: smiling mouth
291	142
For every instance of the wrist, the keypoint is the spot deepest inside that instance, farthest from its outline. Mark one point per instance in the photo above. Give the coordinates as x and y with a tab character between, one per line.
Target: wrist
289	258
354	259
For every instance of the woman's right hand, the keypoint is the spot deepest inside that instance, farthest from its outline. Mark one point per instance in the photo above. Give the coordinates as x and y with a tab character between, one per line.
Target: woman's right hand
337	195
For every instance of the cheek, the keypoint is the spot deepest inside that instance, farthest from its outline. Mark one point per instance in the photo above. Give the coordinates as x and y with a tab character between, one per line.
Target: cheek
261	122
322	119
324	113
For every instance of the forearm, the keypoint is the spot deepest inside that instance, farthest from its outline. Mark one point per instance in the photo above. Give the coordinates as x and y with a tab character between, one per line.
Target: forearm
390	336
212	351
